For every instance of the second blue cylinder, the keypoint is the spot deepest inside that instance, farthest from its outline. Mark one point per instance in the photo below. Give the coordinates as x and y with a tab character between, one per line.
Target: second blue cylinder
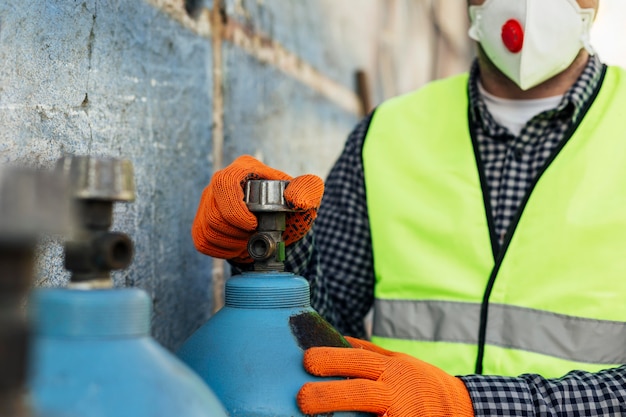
93	357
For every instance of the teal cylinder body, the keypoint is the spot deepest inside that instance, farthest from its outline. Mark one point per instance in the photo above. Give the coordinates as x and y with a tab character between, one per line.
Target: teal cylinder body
250	352
93	356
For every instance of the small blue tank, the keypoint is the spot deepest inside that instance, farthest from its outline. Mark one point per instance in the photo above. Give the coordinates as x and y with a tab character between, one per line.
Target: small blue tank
92	354
93	357
250	352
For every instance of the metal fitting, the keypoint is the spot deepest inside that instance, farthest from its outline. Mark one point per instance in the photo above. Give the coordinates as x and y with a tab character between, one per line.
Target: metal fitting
99	178
265	198
94	251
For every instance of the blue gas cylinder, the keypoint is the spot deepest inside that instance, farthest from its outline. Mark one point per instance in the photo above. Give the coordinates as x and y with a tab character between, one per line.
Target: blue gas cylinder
93	357
250	352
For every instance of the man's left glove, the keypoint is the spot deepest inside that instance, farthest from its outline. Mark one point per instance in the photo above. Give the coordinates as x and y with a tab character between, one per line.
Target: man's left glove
386	383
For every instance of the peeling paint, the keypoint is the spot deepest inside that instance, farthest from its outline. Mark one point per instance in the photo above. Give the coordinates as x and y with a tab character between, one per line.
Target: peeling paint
268	51
263	48
200	25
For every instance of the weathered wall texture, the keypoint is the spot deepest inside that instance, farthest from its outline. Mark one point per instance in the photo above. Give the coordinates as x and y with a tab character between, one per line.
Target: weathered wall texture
182	96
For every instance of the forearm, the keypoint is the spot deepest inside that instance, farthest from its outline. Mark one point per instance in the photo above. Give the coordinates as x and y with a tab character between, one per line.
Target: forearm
302	259
576	394
336	256
341	284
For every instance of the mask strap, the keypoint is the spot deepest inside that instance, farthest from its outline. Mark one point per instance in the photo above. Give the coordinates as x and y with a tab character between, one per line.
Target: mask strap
587	16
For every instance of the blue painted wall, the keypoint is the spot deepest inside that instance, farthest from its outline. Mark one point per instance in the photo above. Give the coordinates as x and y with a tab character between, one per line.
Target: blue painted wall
118	78
134	79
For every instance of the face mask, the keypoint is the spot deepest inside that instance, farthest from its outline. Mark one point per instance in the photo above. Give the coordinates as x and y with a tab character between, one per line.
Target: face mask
531	41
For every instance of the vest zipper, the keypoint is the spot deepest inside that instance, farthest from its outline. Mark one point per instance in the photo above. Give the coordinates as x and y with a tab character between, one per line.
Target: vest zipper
500	252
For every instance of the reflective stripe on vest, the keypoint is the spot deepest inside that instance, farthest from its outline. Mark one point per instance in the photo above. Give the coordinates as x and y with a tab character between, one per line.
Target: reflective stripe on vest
558	335
560	279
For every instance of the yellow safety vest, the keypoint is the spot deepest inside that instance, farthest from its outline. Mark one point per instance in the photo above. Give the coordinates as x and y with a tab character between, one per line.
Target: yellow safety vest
554	298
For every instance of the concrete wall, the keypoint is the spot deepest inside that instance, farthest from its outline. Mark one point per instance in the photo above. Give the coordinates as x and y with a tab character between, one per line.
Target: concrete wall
181	96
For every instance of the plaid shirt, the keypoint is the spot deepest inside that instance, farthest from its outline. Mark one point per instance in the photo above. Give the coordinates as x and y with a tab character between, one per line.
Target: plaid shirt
336	256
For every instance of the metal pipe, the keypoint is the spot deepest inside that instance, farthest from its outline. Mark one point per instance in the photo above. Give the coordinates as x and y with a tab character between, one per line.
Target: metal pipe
32	203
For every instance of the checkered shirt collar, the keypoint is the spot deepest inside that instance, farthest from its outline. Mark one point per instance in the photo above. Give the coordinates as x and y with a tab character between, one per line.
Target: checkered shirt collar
571	106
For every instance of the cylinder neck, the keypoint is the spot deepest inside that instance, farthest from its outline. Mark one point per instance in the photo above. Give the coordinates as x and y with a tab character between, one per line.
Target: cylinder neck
96	314
267	290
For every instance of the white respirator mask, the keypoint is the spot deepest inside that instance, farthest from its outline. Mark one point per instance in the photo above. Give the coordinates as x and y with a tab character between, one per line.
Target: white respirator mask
531	41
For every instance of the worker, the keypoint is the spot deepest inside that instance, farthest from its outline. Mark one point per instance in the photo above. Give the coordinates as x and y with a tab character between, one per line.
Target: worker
482	217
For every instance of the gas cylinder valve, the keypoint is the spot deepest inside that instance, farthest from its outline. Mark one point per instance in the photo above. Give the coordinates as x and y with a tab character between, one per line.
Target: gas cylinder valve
94	251
265	198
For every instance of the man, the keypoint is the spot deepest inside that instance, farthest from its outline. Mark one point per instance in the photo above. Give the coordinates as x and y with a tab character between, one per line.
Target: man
488	240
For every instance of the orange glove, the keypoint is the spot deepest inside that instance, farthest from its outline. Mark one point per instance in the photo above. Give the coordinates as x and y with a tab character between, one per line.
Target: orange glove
223	223
387	383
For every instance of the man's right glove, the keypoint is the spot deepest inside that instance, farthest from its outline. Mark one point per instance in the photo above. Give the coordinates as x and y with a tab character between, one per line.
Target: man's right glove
386	383
223	223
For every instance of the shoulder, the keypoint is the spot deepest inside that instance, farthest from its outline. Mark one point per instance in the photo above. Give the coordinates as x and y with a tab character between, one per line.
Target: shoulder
613	84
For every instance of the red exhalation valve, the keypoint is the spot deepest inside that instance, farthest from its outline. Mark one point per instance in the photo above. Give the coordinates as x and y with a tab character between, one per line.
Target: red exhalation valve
513	36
